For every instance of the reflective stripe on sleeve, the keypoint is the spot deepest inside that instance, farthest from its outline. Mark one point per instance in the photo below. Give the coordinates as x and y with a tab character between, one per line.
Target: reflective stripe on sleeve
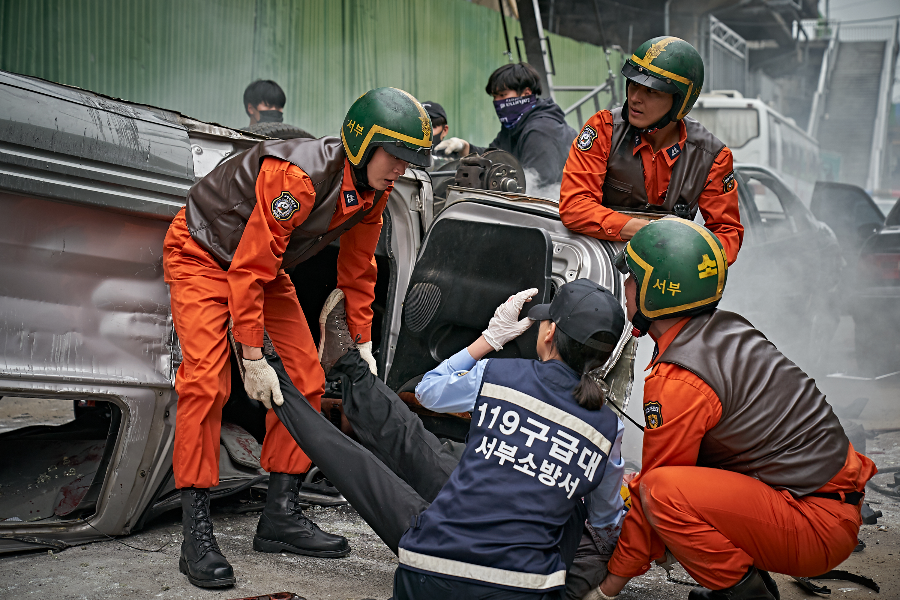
560	417
455	568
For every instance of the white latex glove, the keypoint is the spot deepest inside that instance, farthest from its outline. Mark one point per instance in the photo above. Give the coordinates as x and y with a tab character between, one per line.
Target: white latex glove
365	351
261	382
505	324
451	145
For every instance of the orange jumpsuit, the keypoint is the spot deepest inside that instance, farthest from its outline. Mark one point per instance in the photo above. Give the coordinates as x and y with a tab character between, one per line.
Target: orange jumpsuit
258	295
581	193
716	522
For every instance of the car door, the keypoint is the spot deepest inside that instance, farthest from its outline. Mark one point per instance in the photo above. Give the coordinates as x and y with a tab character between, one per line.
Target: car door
849	211
464	271
786	273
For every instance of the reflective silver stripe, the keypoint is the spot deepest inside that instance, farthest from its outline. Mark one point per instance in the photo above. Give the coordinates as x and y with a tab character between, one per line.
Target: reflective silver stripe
455	568
560	417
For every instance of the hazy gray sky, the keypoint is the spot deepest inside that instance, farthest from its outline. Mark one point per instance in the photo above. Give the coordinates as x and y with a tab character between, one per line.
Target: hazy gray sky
861	9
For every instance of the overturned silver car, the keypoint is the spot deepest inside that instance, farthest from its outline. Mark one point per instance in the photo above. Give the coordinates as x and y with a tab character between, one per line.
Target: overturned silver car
88	186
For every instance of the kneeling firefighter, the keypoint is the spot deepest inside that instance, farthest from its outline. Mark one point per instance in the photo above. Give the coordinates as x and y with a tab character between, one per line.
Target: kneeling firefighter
746	469
649	156
225	256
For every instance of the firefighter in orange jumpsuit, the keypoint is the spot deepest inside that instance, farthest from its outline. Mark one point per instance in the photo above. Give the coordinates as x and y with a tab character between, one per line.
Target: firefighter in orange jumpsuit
746	469
225	256
648	156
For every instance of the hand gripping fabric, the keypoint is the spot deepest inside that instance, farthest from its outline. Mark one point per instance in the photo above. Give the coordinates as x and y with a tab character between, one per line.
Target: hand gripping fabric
365	351
505	325
261	382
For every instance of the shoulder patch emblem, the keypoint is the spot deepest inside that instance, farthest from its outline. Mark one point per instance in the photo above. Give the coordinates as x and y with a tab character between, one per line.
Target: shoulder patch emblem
350	198
284	206
653	414
729	182
462	373
586	138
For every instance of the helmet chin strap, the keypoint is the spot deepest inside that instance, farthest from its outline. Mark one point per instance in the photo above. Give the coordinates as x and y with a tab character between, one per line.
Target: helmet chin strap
667	118
640	325
361	175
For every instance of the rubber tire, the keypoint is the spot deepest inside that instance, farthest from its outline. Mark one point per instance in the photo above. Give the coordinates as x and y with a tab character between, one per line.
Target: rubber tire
281	131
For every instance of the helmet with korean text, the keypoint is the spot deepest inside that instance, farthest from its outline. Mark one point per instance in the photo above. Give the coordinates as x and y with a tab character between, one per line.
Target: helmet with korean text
679	268
389	118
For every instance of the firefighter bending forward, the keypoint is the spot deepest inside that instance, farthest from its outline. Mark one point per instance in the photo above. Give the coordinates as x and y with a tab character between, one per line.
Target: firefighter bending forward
746	469
649	156
225	256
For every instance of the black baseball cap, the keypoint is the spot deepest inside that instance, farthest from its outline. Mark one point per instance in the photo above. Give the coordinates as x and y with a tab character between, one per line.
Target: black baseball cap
582	309
435	110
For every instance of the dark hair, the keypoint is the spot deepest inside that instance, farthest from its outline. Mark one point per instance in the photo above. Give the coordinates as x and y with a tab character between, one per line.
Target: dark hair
438	121
264	90
515	77
583	360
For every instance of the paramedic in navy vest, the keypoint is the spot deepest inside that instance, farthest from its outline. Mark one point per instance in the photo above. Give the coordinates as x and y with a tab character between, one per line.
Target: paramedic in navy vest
539	441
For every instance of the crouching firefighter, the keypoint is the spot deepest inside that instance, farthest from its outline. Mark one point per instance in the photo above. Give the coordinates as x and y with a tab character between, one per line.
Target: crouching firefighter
746	469
649	156
245	223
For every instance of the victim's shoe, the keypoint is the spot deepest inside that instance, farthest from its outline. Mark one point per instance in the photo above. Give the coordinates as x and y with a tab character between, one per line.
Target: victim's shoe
334	335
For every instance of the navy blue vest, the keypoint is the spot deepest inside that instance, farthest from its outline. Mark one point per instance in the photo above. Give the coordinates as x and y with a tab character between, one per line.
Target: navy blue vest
532	453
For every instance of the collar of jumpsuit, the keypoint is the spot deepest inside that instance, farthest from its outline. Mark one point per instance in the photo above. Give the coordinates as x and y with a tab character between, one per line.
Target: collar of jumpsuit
351	199
664	340
659	172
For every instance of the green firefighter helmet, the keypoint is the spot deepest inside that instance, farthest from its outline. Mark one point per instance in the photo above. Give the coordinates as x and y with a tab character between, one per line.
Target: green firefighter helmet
671	65
679	268
390	118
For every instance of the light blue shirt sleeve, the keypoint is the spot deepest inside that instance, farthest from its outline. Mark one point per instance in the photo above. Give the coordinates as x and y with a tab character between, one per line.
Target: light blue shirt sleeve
606	509
453	385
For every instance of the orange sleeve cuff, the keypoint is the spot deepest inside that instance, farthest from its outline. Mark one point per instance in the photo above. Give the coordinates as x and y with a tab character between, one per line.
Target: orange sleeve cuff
248	336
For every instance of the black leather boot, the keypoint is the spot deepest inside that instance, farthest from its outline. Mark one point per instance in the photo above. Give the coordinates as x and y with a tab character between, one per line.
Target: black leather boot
284	528
201	560
751	587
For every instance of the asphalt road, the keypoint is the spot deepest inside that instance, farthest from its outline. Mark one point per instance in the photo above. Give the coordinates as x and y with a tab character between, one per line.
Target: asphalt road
111	570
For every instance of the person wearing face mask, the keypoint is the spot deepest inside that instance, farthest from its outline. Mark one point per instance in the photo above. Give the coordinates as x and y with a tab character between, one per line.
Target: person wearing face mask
225	255
264	103
649	156
533	129
440	129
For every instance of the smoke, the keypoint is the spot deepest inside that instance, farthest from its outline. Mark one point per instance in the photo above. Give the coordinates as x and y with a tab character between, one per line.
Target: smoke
533	186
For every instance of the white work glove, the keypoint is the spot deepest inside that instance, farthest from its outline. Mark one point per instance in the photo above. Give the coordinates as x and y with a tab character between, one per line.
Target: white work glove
505	324
451	145
596	594
261	382
365	351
